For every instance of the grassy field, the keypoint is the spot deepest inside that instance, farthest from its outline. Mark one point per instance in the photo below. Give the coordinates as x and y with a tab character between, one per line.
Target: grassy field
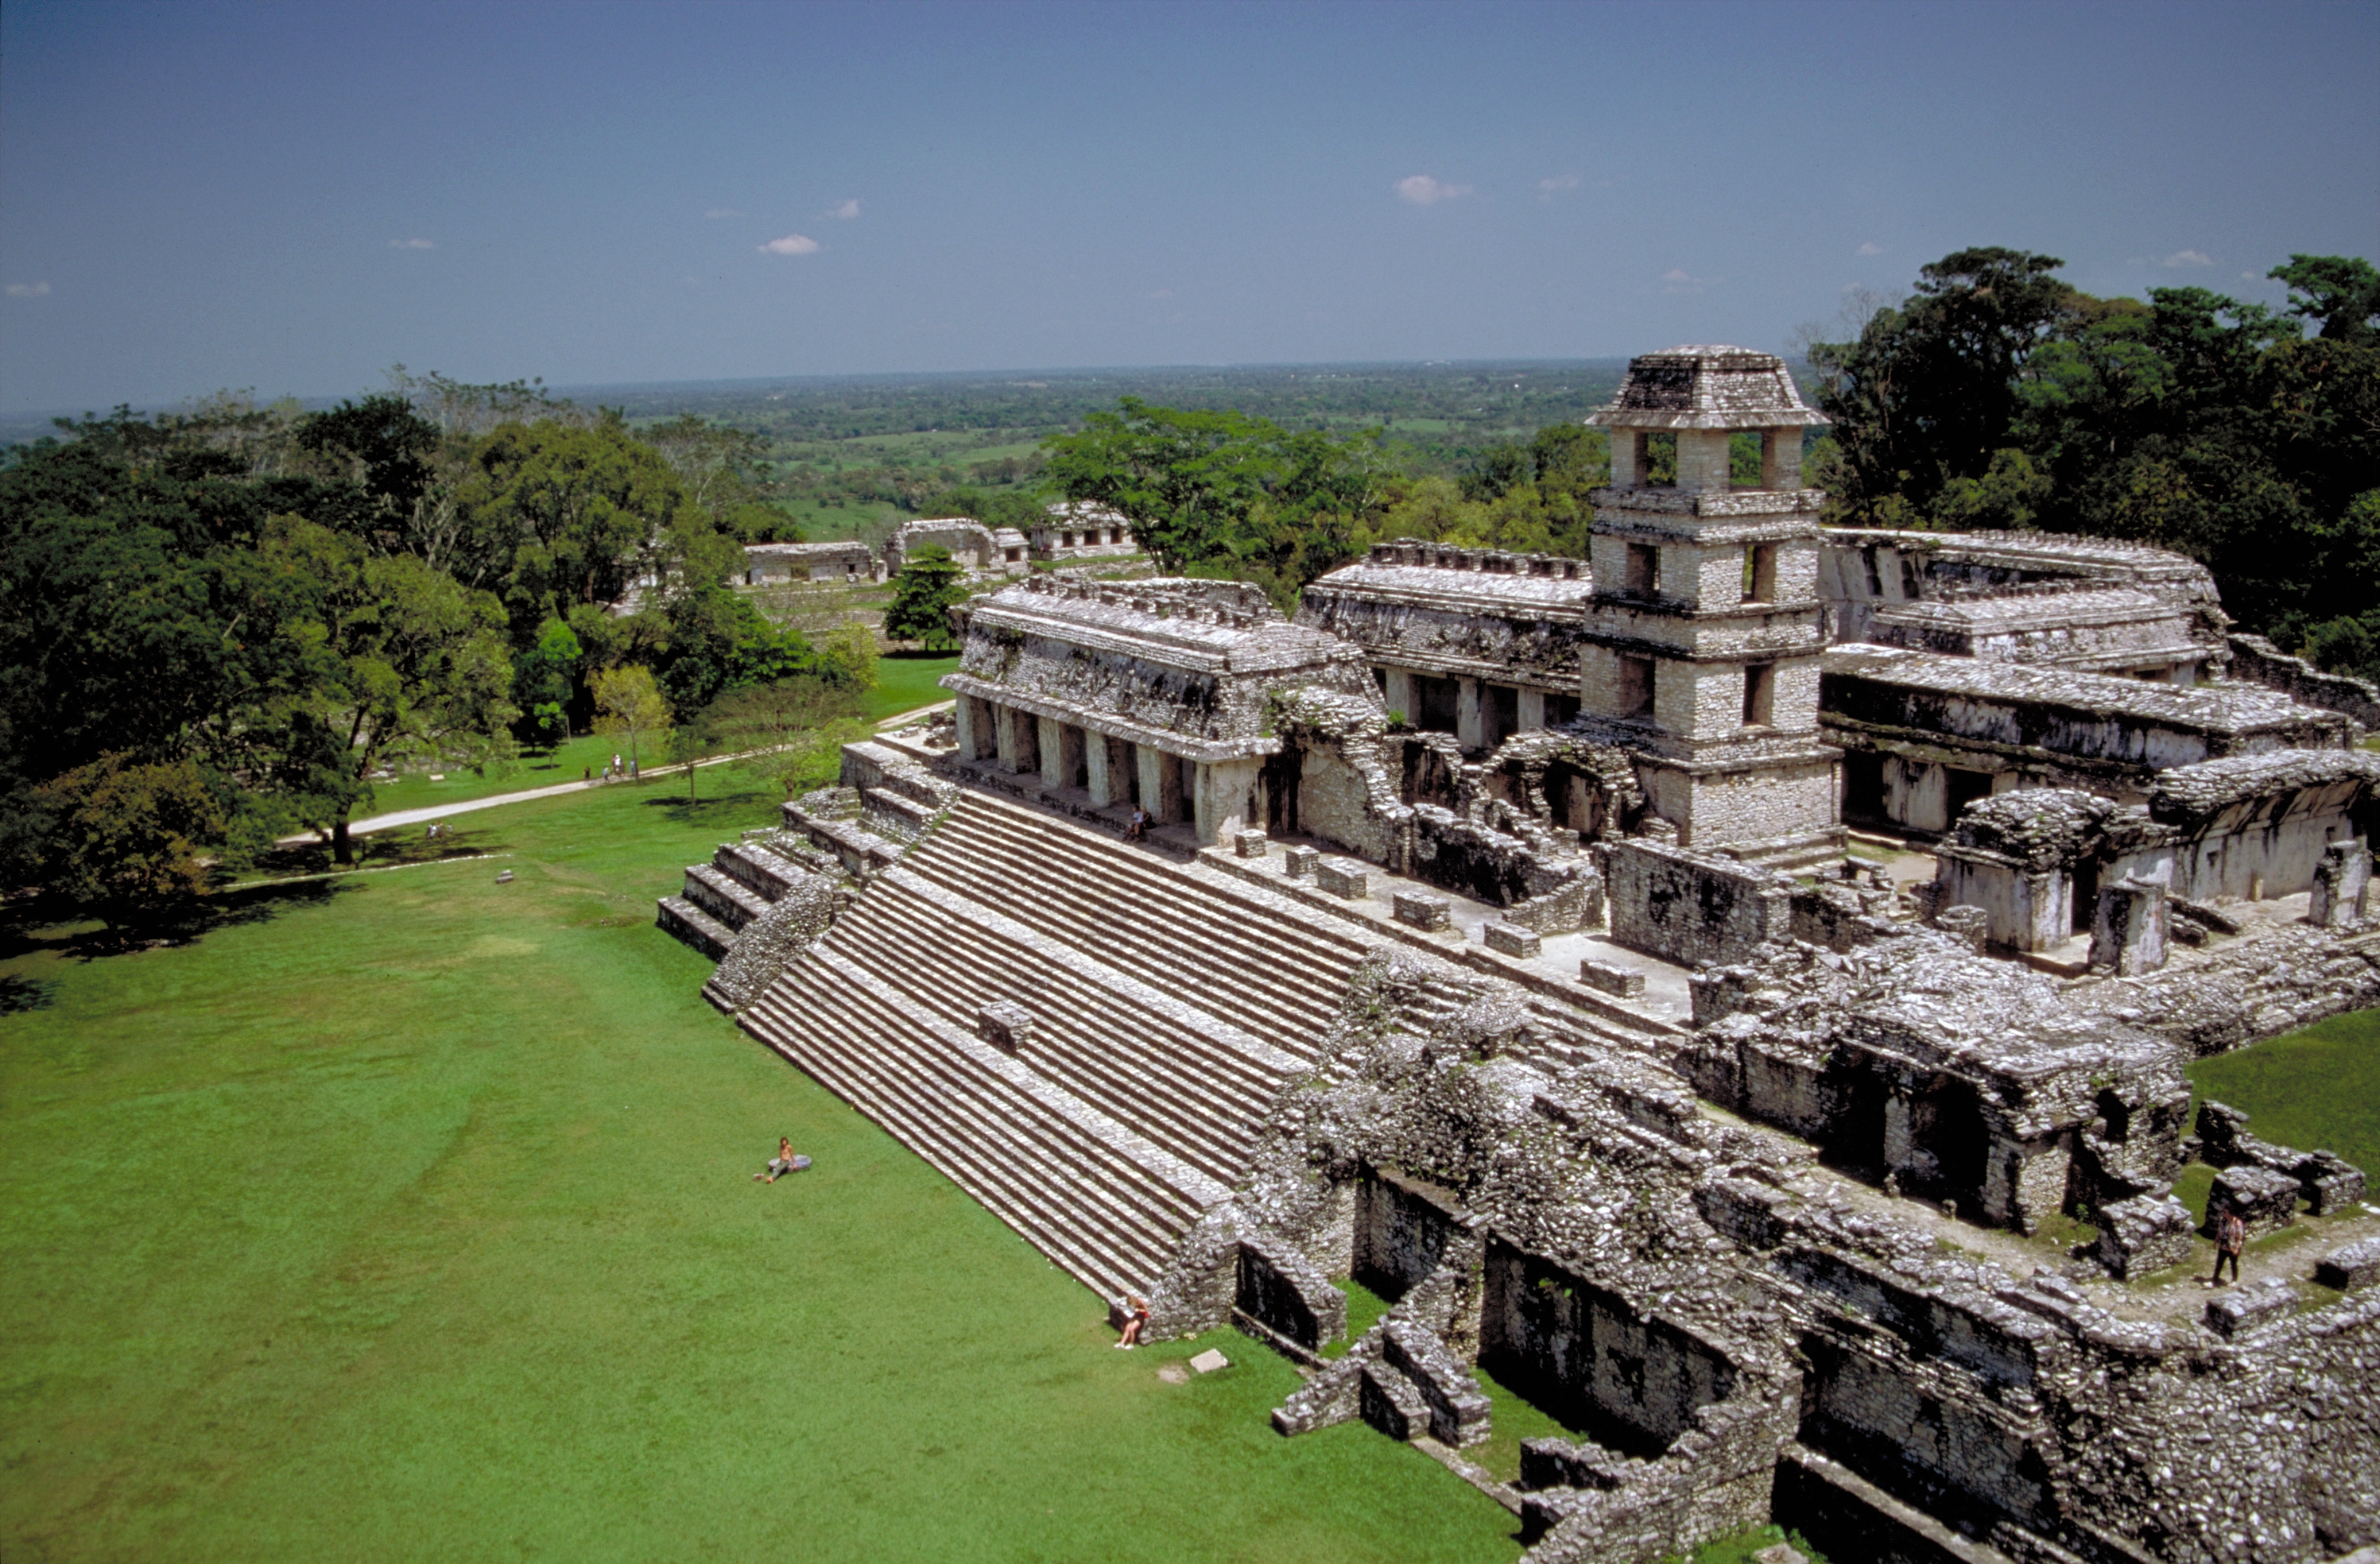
408	1216
906	679
2314	1089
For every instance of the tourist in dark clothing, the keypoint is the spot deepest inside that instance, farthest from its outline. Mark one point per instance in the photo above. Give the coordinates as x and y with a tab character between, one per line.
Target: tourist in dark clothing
2230	1235
1135	1321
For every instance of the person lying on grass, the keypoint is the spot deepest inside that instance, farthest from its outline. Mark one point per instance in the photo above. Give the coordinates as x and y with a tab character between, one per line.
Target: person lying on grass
785	1162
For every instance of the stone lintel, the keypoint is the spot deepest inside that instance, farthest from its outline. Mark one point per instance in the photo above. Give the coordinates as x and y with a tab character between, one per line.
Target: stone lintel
1202	751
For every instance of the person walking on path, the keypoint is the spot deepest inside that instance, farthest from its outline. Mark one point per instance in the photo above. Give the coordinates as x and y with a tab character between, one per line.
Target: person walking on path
2230	1236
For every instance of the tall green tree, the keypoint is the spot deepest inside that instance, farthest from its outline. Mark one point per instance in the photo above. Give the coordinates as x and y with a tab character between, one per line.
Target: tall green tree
930	584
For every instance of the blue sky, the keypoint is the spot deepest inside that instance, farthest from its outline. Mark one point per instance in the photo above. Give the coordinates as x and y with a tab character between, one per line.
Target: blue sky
292	198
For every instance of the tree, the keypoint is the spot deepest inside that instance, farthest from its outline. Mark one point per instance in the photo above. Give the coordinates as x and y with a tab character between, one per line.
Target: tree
727	474
1927	392
630	703
406	663
543	679
848	658
800	726
929	584
1219	486
125	837
2342	292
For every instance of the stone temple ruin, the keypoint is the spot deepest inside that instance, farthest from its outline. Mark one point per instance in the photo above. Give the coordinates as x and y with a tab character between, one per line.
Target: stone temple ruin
1497	941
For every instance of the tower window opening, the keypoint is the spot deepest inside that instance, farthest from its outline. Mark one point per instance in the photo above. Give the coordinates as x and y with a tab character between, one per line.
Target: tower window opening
1634	695
1760	573
1644	570
1759	694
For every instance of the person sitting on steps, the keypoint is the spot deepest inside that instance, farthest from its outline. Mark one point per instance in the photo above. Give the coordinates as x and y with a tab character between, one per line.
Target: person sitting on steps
1139	827
786	1161
1136	1319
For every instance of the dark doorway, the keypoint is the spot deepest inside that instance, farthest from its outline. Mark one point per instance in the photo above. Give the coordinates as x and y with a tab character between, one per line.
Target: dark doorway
1863	786
1282	772
1499	713
1961	789
1437	698
2086	896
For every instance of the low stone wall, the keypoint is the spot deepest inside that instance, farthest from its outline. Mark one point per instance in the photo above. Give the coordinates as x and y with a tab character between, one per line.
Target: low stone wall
2256	660
1688	909
1282	1291
2261	985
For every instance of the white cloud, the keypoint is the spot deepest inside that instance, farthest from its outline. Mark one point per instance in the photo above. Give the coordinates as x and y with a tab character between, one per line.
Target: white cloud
2182	258
411	244
723	211
1423	190
28	290
1871	248
1676	280
1559	182
845	210
792	244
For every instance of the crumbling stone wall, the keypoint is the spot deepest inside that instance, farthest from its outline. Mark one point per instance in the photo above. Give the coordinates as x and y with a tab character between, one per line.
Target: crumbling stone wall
1689	909
2256	660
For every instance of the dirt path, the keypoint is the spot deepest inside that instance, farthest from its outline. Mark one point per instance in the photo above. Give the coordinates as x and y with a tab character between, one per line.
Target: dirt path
398	818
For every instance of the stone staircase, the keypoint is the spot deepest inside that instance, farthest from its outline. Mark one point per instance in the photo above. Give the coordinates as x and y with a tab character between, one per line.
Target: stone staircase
723	895
1149	1021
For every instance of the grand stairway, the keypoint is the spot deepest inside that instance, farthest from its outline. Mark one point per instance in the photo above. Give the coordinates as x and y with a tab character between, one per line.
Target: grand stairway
1165	1015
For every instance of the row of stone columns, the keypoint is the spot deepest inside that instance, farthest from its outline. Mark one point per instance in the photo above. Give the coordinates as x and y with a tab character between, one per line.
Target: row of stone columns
1472	704
1111	770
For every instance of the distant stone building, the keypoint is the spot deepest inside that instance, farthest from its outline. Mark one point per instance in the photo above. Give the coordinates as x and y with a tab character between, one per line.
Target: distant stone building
768	564
984	550
1078	529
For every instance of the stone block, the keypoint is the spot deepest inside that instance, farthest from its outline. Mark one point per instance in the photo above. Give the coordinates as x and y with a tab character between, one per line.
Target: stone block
1423	912
2128	928
2266	1201
2148	1233
1005	1024
2244	1309
2350	1268
1343	876
2329	1181
1511	940
1210	1360
1612	979
1970	924
1250	844
1298	863
2340	882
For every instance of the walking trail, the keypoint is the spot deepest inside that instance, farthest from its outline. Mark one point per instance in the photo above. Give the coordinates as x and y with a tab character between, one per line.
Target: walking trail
395	819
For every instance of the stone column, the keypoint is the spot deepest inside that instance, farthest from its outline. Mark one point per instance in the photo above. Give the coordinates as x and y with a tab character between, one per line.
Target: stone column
1099	763
1399	695
1533	709
973	740
1627	458
2128	927
1003	736
1052	743
1466	714
2340	882
1900	1151
1160	785
1222	797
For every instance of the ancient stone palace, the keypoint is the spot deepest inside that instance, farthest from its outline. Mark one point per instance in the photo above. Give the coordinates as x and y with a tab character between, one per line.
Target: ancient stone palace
1732	988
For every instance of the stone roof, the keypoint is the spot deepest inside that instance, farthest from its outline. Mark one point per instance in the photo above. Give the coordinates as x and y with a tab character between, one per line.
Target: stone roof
807	550
1438	576
2192	793
2009	612
2225	708
1213	627
2050	553
1698	386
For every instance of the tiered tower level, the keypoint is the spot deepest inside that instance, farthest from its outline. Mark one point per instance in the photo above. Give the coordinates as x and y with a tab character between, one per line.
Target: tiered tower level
1704	630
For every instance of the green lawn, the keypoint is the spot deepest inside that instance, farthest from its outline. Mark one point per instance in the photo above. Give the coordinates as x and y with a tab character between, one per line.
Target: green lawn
408	1216
2317	1089
906	679
534	768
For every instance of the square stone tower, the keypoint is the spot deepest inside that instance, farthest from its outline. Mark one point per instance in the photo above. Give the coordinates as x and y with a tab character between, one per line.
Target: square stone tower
1704	630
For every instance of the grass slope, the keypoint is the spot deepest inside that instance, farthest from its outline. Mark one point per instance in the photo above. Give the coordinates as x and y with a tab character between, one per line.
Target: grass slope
2314	1089
407	1216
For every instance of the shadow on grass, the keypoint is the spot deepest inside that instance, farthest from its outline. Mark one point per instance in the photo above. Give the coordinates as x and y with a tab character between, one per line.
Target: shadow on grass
55	924
20	994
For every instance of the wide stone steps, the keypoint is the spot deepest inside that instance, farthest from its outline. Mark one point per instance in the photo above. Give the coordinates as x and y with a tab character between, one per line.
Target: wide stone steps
727	900
697	928
764	873
1134	1055
1097	1199
1283	984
